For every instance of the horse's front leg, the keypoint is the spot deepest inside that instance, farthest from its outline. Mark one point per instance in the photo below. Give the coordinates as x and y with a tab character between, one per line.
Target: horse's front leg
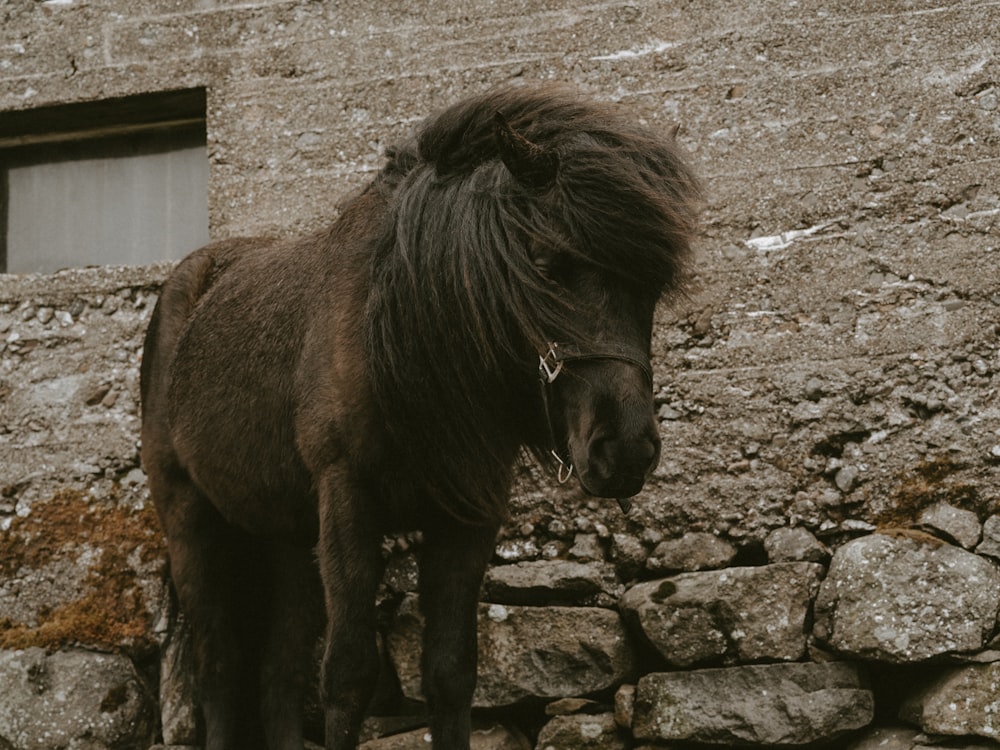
350	563
453	560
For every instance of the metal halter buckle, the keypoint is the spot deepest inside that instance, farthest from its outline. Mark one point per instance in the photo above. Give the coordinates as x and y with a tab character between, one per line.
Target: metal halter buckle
565	470
549	372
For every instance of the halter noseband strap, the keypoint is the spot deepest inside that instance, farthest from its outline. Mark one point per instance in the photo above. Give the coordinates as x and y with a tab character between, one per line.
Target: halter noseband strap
550	366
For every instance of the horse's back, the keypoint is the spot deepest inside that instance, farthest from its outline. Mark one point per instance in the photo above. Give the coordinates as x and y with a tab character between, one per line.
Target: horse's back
218	381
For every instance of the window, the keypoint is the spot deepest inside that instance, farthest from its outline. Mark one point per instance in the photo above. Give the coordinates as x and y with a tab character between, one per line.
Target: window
122	181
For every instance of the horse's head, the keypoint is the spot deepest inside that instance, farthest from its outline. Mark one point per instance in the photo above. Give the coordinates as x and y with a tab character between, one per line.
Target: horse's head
608	233
526	223
598	396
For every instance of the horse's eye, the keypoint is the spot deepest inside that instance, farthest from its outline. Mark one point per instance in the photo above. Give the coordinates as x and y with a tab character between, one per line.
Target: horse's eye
556	267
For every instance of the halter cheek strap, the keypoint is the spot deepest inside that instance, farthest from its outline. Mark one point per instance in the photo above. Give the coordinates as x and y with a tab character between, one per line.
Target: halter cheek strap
550	366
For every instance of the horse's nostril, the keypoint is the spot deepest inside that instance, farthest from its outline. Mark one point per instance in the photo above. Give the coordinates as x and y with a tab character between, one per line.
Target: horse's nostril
610	458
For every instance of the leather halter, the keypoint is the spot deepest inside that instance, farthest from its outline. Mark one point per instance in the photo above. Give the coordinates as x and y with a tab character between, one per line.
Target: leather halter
551	363
550	366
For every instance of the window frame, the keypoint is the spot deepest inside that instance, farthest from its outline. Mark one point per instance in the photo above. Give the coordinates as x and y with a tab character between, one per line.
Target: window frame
85	128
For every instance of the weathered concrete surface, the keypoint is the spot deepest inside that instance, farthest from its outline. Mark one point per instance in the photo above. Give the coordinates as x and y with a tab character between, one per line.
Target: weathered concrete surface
836	352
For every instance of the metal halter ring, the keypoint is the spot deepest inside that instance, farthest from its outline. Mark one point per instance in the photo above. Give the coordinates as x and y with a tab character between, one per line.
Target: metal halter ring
549	372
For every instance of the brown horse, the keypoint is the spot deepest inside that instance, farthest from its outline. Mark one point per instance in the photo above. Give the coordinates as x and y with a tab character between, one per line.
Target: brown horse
303	398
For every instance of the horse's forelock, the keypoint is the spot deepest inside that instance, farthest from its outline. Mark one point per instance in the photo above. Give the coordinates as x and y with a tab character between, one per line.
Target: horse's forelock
459	310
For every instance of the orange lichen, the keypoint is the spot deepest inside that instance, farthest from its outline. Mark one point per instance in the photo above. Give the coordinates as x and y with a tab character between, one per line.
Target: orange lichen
931	481
111	611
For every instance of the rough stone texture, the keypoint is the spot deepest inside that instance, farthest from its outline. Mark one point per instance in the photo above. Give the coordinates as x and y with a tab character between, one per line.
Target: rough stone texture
545	652
961	701
961	525
898	738
74	699
886	738
693	551
742	614
991	538
551	582
625	706
772	705
794	545
905	598
495	737
582	732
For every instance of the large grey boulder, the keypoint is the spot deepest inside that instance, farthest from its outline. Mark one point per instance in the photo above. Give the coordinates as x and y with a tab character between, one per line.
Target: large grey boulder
906	598
962	701
72	699
545	652
775	705
741	614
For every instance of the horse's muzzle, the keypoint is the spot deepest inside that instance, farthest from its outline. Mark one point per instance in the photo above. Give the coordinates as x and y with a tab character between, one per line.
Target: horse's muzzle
617	467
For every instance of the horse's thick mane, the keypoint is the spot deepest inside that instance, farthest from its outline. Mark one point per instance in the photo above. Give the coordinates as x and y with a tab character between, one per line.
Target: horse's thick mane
459	311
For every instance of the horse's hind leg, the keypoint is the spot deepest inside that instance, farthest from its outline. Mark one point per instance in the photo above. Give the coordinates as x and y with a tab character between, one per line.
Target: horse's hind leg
203	555
453	560
293	624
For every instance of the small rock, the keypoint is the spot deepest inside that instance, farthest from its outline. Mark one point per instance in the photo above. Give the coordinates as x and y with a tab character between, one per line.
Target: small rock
961	525
625	706
814	389
846	478
694	551
990	545
543	581
807	411
586	547
887	738
669	414
515	550
568	706
581	732
482	738
628	555
796	544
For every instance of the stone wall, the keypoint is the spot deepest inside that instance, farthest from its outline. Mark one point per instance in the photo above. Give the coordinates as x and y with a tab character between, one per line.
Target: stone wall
831	372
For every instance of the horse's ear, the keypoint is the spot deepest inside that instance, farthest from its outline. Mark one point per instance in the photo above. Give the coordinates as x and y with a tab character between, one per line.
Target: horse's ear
528	162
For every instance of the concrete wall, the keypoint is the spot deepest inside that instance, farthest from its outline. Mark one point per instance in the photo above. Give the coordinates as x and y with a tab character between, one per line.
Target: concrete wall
834	365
